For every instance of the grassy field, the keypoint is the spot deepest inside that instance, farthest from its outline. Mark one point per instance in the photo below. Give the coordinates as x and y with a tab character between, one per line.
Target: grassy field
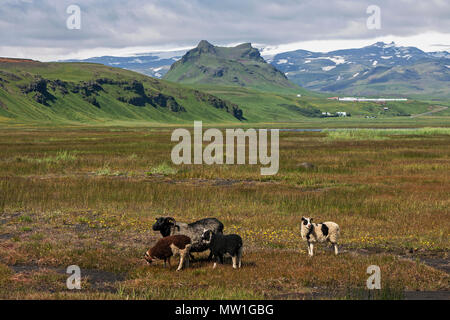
88	197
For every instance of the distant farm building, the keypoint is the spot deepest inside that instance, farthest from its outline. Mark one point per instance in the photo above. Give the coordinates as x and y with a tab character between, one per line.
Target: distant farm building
353	99
337	114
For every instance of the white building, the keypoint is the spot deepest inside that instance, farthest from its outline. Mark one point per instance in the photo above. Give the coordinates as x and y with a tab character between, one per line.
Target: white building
353	99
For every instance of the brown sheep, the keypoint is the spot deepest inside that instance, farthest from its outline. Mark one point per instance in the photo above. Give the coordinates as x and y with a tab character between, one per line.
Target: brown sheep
170	246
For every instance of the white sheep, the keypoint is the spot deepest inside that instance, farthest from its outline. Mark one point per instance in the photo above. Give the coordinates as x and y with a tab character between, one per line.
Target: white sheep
319	232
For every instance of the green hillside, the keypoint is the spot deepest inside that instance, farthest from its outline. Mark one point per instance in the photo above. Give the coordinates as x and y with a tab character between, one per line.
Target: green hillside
32	91
259	106
240	66
93	94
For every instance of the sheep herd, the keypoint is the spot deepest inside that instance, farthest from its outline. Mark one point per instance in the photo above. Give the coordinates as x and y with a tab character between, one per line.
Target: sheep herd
182	239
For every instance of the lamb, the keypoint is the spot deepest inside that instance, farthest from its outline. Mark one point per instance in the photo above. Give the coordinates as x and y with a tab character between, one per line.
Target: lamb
319	232
170	246
169	226
221	244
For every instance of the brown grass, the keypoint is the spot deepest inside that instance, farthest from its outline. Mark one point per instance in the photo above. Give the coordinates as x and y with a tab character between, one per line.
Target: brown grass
89	197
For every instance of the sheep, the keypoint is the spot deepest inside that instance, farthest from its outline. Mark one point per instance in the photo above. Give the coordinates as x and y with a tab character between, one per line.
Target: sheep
319	232
221	244
170	246
169	226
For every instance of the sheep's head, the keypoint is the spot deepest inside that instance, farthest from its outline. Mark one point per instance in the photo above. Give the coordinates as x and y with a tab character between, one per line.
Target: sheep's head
307	222
207	235
164	225
148	257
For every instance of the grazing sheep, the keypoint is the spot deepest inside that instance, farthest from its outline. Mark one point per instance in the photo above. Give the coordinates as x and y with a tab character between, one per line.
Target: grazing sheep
319	232
170	246
168	226
221	244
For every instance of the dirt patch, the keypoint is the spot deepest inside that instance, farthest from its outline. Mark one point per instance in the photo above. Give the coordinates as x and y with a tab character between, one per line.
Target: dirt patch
427	295
98	280
6	236
224	182
15	60
434	259
318	295
438	263
313	295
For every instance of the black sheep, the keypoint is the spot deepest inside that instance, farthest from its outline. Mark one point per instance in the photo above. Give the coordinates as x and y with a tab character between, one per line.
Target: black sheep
220	244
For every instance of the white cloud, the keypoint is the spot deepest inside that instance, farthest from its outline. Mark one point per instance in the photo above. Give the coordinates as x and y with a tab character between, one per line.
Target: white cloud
36	29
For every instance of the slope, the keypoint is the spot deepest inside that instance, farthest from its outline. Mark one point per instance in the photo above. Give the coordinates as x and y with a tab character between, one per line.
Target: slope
240	66
32	91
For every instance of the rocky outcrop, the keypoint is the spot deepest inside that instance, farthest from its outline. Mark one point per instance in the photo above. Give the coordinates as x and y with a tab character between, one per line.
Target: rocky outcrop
140	97
220	104
38	89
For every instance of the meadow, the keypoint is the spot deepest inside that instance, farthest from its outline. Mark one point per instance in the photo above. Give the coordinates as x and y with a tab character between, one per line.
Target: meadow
89	196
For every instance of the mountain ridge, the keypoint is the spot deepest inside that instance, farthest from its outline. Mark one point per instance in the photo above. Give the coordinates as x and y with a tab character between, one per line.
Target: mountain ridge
241	65
381	68
328	80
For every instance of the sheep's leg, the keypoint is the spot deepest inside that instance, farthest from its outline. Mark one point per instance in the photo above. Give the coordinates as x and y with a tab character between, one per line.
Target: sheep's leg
180	265
210	257
240	257
168	262
219	260
234	259
336	249
311	248
164	262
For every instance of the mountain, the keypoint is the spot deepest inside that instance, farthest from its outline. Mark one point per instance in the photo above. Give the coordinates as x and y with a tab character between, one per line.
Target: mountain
32	91
154	64
231	66
440	54
379	69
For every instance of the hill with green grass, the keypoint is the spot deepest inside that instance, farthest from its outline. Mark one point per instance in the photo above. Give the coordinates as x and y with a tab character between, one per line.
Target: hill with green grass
31	91
240	66
260	106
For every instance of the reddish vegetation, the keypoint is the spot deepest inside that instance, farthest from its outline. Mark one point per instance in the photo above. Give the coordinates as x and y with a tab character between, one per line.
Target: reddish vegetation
14	60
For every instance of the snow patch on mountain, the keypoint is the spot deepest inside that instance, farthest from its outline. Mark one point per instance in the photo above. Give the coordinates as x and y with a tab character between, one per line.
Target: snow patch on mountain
328	68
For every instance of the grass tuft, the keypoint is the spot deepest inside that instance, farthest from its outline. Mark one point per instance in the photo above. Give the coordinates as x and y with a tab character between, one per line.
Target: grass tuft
382	134
163	169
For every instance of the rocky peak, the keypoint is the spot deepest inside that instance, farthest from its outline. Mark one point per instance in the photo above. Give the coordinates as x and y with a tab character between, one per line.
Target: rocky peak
205	47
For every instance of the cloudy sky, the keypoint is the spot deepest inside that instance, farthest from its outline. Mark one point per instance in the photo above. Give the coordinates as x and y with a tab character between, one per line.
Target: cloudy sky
38	28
